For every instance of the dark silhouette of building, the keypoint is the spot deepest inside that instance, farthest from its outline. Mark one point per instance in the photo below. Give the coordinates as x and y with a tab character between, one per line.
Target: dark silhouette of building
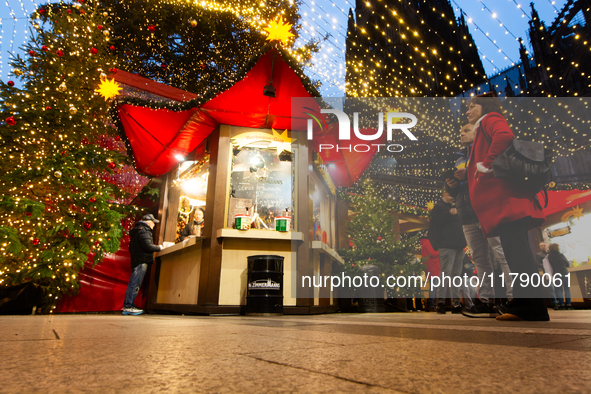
561	53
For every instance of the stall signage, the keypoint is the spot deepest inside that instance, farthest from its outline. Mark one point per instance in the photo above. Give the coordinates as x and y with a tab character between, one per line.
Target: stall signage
559	232
279	141
264	284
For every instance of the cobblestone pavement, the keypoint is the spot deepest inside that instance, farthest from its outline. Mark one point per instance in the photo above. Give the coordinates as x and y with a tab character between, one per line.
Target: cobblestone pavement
393	353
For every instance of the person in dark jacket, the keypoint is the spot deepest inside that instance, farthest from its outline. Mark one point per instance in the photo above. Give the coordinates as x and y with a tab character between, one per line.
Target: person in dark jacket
479	245
195	229
141	250
447	237
559	265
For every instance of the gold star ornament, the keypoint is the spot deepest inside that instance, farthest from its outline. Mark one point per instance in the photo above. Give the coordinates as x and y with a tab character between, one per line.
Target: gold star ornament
430	205
279	31
108	88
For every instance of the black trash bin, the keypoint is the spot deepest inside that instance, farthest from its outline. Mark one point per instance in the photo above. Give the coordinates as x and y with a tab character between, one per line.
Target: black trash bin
264	291
371	299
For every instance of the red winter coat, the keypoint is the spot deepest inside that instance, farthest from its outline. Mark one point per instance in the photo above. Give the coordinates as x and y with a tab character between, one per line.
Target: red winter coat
495	200
432	266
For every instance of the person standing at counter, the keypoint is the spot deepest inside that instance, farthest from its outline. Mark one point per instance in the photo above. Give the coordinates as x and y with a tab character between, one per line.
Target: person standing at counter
196	227
141	249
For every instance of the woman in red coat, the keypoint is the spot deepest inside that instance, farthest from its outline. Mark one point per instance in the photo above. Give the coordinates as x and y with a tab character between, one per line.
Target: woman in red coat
504	208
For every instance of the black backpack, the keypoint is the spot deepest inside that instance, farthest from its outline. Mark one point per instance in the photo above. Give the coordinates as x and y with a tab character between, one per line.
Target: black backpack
525	163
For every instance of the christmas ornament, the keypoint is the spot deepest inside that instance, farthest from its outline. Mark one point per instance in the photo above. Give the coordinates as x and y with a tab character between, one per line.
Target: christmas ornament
279	31
69	11
103	75
45	49
106	33
73	110
17	72
41	11
100	27
57	174
112	165
552	184
63	87
105	13
92	199
193	22
59	52
152	28
117	138
94	51
113	70
163	66
47	108
87	225
112	47
10	83
84	141
10	121
63	153
108	88
35	241
27	213
32	53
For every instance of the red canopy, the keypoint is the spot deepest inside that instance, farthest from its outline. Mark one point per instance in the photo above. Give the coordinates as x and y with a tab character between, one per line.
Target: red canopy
564	199
159	132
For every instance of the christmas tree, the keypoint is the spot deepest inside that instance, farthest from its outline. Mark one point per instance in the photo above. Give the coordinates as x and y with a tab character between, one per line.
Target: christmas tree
374	241
56	146
197	46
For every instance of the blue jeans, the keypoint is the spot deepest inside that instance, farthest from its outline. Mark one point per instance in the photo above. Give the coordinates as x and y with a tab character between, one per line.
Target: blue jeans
451	261
135	282
559	294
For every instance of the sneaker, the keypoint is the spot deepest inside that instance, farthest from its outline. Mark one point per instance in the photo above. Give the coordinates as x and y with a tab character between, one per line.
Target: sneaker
480	309
555	307
132	311
456	309
441	309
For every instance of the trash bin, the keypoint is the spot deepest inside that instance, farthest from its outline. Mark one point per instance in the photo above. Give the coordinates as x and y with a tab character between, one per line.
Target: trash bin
264	292
371	299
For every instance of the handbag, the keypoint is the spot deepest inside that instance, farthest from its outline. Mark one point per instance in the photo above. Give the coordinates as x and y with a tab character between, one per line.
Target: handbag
525	163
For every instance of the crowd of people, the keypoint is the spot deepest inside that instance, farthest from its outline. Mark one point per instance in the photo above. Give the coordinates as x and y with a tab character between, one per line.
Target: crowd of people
492	216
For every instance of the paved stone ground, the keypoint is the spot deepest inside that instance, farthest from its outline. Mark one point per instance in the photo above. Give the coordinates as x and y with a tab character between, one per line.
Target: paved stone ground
388	353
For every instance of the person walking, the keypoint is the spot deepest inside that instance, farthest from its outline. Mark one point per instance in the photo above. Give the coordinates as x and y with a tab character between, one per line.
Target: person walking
559	264
544	265
457	186
446	236
504	208
432	268
141	250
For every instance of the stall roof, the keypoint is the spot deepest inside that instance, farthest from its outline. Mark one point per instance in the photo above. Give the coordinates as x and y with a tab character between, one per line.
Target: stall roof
156	132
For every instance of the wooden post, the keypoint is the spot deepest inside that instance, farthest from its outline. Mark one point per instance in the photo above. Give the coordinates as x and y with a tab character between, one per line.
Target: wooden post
217	190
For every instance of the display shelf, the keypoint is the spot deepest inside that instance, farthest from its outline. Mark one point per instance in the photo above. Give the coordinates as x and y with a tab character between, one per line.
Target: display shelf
179	246
324	248
260	234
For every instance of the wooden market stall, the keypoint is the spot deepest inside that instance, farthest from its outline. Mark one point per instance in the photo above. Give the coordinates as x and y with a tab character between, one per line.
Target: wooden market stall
242	150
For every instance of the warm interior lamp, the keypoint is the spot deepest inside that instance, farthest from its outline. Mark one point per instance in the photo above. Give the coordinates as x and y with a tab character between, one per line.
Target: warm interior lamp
179	157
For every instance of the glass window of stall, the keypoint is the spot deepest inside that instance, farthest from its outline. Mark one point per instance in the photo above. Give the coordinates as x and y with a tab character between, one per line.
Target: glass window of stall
261	180
321	193
187	199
